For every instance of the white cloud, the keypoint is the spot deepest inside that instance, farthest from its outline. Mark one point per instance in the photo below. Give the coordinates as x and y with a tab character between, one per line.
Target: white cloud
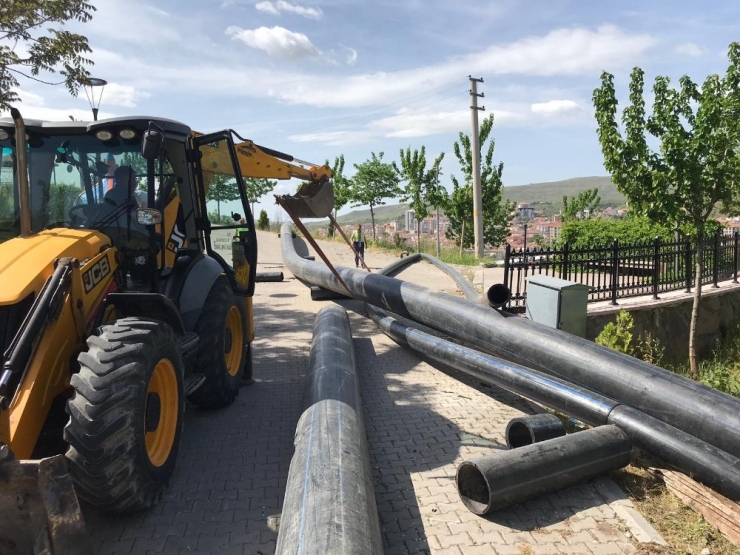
276	6
561	52
34	106
351	55
122	95
276	41
690	49
556	108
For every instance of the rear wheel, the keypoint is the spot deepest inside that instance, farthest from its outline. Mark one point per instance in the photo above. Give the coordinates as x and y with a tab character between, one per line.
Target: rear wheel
222	346
126	415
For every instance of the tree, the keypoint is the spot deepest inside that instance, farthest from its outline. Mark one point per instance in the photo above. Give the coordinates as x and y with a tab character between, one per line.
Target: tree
420	188
374	182
497	213
257	187
697	167
263	222
600	233
342	188
581	206
223	188
31	43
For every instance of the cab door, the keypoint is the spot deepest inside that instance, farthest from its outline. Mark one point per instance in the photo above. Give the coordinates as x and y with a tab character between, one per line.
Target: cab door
231	241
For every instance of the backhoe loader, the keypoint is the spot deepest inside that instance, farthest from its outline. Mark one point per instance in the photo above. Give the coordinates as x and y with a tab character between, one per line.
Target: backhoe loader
115	309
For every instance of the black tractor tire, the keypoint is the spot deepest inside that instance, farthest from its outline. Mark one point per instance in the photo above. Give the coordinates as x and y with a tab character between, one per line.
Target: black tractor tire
222	346
126	415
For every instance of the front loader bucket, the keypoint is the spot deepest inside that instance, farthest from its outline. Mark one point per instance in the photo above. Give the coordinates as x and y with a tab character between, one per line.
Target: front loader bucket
313	200
39	511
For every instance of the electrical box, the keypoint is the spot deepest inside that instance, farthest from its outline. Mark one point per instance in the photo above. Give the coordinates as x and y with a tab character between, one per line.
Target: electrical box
557	303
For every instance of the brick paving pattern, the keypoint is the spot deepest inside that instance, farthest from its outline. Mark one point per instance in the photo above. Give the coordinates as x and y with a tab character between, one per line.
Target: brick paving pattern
421	422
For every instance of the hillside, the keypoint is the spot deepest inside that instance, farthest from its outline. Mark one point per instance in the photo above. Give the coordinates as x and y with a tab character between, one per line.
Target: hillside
546	197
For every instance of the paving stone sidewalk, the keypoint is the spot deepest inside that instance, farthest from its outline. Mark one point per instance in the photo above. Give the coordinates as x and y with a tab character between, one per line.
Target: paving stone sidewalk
421	422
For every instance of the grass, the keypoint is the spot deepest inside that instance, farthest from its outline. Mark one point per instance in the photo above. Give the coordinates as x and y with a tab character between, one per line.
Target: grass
685	530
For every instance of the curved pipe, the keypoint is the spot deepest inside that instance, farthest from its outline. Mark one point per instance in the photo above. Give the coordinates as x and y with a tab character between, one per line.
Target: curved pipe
496	481
329	502
467	289
696	409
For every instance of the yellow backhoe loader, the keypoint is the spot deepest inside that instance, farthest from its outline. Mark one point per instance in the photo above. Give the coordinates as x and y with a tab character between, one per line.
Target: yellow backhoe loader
115	309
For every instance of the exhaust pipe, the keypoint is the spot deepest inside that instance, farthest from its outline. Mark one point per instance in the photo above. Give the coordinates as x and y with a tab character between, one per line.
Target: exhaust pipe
24	198
696	409
508	477
329	502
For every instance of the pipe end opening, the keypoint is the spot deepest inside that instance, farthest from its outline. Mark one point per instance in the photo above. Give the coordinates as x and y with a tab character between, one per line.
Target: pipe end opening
473	488
498	295
518	434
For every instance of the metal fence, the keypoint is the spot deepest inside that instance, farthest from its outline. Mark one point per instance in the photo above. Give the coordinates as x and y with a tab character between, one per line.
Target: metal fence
621	271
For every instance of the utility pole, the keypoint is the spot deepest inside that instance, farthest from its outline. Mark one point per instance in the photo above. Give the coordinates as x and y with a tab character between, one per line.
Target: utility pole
477	193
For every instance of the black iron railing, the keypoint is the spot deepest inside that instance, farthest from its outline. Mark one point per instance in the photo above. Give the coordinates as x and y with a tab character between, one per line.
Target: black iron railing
621	271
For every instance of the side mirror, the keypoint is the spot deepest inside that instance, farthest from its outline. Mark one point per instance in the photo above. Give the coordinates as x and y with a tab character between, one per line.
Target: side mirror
148	216
151	145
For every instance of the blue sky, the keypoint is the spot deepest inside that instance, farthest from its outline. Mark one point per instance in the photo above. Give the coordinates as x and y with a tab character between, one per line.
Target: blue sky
320	78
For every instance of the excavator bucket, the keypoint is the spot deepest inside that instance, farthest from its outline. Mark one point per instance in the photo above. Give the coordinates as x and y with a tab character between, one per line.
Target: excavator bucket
313	200
39	508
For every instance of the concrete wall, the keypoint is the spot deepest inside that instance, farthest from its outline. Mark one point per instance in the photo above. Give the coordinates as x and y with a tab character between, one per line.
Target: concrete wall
668	319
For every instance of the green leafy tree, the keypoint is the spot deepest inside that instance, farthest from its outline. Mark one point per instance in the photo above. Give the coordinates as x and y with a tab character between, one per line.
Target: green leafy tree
497	213
342	188
697	166
599	233
263	222
420	190
32	42
223	188
581	206
257	187
374	181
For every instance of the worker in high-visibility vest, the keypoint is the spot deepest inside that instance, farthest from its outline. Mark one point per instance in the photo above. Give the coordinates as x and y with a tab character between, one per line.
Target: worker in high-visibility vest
240	232
358	243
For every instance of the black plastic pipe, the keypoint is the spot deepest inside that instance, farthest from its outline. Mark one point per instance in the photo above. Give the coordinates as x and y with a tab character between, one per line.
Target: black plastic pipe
329	502
534	428
508	477
705	463
261	277
696	409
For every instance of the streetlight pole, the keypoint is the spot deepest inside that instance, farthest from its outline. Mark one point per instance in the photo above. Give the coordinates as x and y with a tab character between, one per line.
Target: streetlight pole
92	84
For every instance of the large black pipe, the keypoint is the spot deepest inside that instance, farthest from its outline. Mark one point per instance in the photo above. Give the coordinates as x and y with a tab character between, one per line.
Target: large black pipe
508	477
329	502
706	463
696	409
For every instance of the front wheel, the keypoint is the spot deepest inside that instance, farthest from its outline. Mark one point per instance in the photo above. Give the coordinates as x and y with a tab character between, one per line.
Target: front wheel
126	415
222	346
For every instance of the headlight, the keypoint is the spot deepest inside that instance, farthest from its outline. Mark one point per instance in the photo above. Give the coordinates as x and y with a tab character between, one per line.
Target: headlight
104	135
127	134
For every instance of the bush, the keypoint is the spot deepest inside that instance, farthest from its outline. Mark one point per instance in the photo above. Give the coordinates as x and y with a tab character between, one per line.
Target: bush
263	222
618	335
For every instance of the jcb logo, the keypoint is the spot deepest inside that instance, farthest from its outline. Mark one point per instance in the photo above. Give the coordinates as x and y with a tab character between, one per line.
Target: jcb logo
94	275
